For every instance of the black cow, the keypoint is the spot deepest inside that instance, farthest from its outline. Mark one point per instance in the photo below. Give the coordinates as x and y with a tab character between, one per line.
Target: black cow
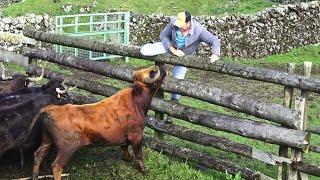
11	84
17	111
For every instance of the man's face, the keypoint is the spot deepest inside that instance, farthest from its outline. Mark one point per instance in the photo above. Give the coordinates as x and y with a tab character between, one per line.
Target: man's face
186	26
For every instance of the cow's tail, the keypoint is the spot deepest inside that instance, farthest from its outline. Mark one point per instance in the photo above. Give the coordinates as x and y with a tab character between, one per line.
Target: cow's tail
23	136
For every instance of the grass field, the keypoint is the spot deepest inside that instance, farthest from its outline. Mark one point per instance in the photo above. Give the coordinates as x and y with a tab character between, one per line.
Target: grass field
169	7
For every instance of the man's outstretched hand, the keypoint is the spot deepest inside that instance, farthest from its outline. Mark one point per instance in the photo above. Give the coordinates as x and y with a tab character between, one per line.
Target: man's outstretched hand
214	58
176	52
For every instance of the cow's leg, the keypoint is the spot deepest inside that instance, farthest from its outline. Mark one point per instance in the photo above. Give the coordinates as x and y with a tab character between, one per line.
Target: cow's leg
40	153
137	149
126	155
61	160
21	157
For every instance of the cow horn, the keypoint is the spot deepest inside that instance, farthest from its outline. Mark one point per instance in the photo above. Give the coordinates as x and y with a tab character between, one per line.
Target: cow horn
66	88
37	78
3	76
149	80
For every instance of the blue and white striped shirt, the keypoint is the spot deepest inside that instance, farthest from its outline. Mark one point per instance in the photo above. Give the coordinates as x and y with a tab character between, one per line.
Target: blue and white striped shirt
180	39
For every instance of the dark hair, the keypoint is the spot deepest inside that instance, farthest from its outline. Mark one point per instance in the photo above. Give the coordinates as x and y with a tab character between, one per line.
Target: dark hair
188	16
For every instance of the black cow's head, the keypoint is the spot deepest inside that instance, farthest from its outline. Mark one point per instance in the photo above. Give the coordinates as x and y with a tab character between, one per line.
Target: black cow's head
12	84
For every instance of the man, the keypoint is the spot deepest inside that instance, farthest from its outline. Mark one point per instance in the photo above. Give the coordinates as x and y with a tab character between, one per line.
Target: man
182	37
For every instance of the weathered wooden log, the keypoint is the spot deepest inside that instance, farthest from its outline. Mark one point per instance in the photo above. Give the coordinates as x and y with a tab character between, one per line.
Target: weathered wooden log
6	56
235	101
213	141
93	87
238	102
240	70
314	148
201	158
307	168
98	67
315	130
247	128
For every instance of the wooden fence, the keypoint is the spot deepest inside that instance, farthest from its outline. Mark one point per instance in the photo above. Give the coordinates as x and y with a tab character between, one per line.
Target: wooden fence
289	130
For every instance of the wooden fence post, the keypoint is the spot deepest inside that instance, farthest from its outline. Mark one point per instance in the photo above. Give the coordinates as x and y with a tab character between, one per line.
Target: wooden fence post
297	154
283	150
159	115
32	61
305	94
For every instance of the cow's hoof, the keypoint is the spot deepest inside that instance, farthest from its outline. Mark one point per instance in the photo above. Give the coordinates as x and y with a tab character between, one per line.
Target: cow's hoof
144	170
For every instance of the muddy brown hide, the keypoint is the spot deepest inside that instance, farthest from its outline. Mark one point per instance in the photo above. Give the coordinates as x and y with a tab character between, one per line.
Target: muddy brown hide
117	120
17	111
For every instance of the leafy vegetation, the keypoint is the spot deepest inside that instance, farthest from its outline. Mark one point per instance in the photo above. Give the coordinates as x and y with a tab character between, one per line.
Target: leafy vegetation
169	7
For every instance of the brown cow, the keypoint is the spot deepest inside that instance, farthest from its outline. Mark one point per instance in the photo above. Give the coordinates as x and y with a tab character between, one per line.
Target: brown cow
117	120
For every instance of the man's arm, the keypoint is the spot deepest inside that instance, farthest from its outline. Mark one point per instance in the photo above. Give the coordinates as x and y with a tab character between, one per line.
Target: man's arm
212	40
165	36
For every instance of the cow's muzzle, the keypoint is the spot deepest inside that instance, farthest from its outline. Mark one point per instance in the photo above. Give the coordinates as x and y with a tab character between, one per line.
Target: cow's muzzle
154	75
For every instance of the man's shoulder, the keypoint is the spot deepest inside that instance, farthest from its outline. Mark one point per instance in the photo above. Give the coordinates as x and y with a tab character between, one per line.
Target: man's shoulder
197	24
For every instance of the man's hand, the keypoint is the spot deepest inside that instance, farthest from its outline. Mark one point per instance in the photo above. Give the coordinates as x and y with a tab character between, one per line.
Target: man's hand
176	52
214	58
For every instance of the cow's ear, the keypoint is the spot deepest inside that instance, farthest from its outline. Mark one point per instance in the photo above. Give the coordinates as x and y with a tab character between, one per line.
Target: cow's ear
134	76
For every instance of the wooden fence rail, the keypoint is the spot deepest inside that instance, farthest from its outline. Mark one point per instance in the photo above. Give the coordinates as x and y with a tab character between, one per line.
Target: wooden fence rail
233	69
300	166
247	128
235	101
299	140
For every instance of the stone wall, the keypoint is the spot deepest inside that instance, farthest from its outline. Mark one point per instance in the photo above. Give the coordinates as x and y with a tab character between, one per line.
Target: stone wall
274	30
11	30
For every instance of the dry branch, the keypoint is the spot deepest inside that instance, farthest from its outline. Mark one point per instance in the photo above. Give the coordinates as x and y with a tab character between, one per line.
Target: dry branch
235	101
240	70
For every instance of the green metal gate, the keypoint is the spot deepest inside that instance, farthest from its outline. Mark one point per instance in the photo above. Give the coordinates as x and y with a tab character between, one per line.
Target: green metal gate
105	27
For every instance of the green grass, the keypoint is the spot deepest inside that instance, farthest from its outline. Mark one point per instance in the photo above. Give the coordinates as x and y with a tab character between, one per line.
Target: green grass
169	7
279	61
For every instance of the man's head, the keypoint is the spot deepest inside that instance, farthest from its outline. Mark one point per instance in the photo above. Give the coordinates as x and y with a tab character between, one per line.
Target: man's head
183	20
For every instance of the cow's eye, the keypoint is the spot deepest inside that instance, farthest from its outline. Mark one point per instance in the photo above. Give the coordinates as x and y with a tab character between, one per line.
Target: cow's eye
152	74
